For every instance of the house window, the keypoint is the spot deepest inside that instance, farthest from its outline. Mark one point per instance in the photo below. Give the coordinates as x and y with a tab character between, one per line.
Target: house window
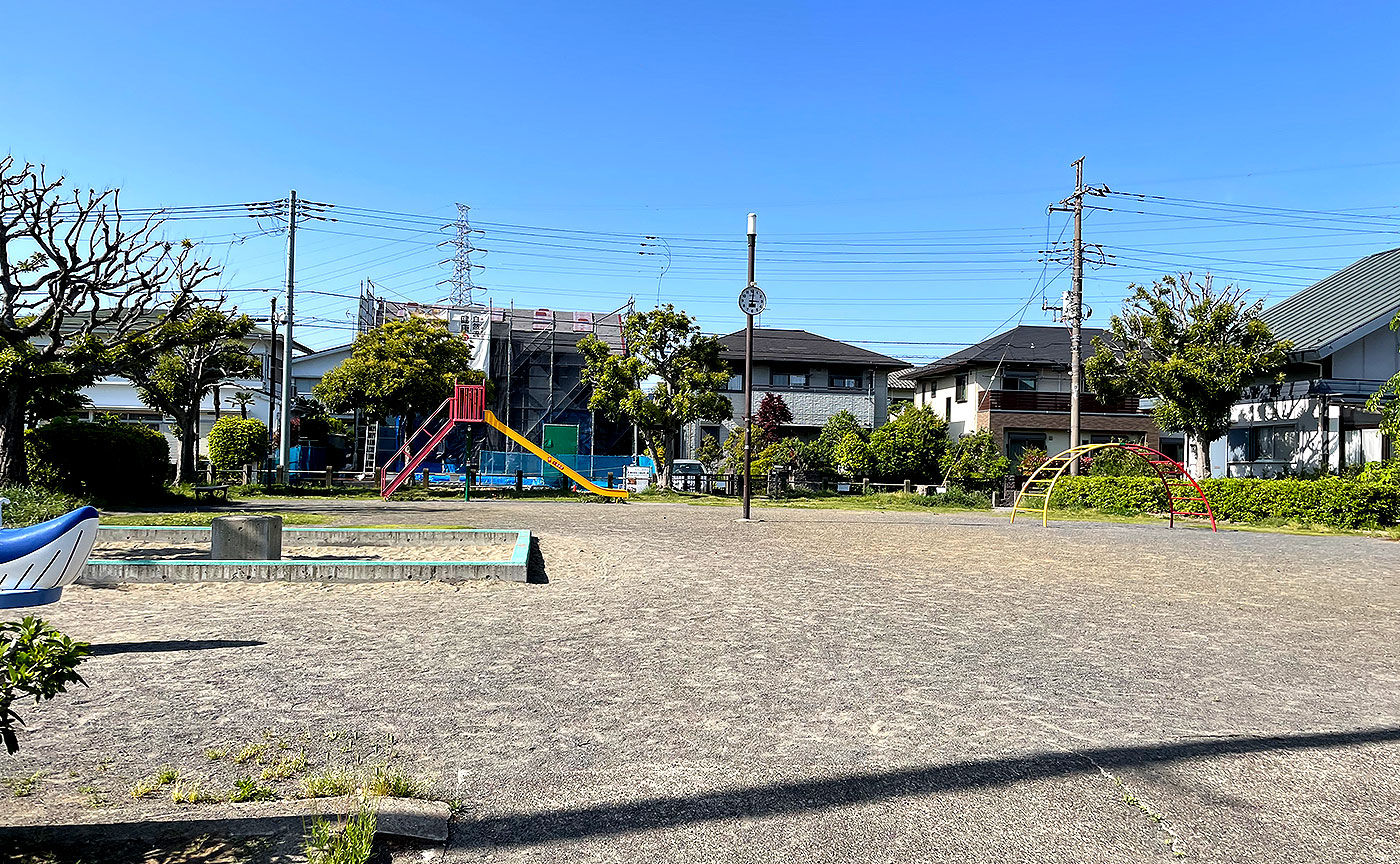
1272	443
1023	381
845	382
948	408
960	388
736	383
789	379
1018	442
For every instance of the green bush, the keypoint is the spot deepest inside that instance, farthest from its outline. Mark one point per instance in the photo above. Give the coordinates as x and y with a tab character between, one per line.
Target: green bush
909	446
975	461
105	461
33	504
1330	501
235	442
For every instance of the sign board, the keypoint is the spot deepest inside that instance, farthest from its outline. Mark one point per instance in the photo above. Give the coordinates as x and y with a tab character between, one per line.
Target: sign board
544	319
637	478
583	322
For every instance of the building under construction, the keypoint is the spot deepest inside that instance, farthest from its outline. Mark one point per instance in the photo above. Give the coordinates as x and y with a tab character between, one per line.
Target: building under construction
532	359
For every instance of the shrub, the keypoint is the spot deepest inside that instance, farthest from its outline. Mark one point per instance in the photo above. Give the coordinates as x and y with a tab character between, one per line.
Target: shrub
1031	459
909	446
852	455
32	504
235	442
36	662
1116	462
1331	501
106	460
976	462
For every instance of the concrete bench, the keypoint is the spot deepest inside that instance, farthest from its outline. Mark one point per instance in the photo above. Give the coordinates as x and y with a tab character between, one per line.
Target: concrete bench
220	490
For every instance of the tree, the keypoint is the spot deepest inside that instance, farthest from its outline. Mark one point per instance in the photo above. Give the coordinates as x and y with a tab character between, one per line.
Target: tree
1190	348
837	427
1384	401
976	460
910	445
211	352
399	369
851	455
82	296
710	452
681	368
772	415
243	399
36	662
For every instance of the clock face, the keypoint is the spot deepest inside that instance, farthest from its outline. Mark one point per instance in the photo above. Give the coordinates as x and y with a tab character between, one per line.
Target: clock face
752	300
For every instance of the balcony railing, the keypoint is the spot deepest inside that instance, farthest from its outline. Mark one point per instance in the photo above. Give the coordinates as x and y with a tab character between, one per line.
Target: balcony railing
1056	403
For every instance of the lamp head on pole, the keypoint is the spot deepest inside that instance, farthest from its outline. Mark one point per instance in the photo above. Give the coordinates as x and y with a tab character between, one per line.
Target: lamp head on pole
753	224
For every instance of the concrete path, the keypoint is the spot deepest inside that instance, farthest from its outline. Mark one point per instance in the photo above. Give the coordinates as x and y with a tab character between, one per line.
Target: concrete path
817	686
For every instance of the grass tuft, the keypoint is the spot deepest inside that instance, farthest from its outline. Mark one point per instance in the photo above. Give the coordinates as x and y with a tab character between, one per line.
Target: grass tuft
286	767
148	785
23	787
251	752
214	754
350	842
189	792
330	783
390	781
247	789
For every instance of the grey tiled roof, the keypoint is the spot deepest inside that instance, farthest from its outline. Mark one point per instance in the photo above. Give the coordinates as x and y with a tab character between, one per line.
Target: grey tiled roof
773	344
1028	345
901	381
1351	302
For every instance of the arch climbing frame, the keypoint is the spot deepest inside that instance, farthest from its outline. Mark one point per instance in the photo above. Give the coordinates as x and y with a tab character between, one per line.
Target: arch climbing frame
1184	495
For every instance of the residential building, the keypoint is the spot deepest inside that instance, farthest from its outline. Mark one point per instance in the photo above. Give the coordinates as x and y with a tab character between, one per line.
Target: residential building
816	377
1343	350
1016	384
901	389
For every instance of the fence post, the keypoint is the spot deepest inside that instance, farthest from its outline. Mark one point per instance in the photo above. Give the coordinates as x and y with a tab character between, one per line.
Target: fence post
610	479
519	480
865	485
907	488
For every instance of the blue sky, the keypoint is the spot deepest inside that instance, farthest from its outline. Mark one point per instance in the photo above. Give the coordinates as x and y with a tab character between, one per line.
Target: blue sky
900	155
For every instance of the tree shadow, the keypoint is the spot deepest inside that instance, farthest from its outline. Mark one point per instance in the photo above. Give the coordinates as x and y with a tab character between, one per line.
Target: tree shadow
778	799
160	645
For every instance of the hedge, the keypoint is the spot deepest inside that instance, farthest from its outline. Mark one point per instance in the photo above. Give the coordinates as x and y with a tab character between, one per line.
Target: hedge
1333	501
31	504
235	442
106	461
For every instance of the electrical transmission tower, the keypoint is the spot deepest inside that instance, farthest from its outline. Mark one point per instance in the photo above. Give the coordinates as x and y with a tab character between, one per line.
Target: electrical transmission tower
463	288
1071	308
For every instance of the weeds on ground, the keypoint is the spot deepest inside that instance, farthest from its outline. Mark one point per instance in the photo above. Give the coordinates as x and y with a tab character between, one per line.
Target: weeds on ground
330	783
251	752
147	786
95	799
351	842
286	767
23	787
247	789
391	781
214	754
190	792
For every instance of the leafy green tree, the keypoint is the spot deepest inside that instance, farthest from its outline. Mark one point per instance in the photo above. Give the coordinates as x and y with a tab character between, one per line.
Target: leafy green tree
910	446
236	442
852	456
83	295
975	461
837	427
1192	349
710	452
36	662
772	415
1385	402
212	351
671	375
400	369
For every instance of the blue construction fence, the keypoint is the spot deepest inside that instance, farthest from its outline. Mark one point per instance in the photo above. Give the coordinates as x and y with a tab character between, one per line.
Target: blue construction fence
498	468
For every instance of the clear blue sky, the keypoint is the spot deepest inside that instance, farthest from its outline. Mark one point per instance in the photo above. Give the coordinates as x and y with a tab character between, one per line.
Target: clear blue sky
900	155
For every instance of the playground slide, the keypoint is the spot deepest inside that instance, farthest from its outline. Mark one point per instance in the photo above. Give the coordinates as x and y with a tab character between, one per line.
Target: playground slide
583	483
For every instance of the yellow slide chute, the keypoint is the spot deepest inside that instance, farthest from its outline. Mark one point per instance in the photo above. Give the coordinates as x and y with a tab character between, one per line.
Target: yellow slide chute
582	482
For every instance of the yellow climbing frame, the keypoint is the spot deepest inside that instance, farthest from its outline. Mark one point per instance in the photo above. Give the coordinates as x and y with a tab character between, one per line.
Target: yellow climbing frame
1183	493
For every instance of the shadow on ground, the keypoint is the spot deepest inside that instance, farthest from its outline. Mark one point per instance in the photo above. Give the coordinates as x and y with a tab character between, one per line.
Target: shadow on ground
757	802
162	645
535	572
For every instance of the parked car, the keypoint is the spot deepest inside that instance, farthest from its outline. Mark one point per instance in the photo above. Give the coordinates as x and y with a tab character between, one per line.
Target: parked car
686	474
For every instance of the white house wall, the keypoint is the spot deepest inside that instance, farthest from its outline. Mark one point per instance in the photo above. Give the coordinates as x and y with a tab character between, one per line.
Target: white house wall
1374	357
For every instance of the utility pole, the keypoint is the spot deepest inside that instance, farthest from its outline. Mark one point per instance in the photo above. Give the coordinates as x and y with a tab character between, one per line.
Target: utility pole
751	302
272	372
284	448
1071	309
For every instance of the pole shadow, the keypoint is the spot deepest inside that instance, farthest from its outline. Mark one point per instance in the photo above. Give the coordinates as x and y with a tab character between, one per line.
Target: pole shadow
162	645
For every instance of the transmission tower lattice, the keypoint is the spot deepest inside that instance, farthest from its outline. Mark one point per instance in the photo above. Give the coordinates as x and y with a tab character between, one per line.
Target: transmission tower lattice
463	288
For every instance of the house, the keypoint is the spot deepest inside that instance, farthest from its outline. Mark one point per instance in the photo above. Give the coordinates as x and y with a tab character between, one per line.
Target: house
1016	384
816	377
901	389
117	396
1343	351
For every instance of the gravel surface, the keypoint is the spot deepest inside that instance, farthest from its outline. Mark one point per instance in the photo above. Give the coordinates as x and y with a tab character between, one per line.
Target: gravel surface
314	552
815	686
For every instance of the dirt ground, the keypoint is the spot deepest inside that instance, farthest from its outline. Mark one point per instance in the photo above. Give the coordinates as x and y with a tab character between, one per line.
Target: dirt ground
814	686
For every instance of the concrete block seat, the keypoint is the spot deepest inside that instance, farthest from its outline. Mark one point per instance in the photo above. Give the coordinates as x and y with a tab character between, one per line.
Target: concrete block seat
37	562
